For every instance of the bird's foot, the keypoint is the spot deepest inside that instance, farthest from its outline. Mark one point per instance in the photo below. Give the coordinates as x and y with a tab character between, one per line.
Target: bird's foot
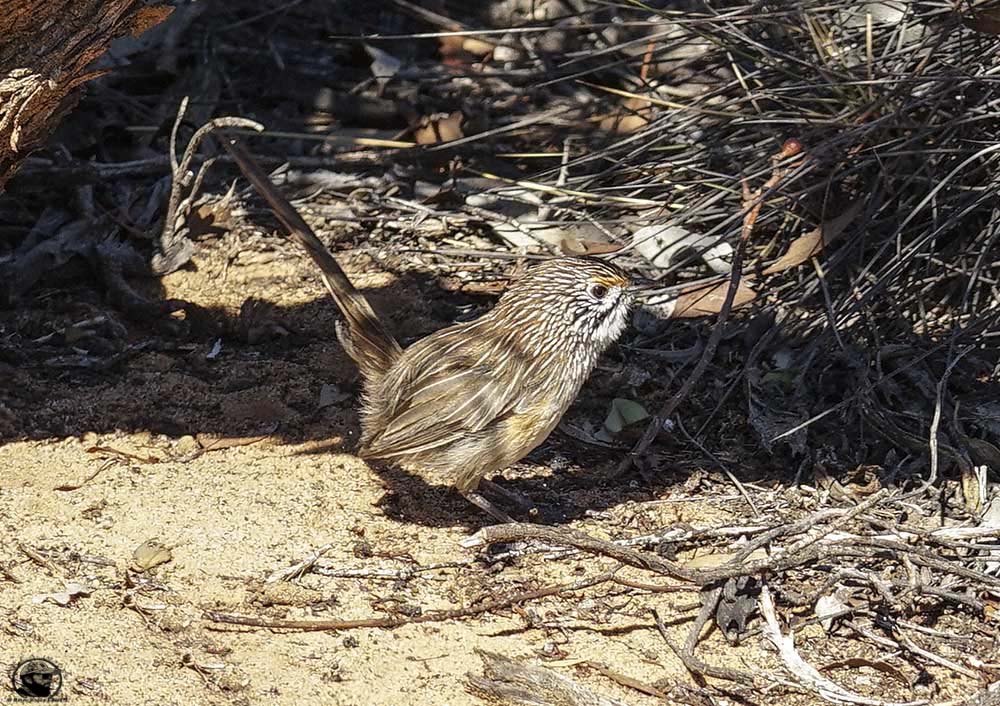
523	503
486	506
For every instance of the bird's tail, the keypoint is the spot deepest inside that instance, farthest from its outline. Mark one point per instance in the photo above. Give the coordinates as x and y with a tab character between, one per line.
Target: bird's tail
365	339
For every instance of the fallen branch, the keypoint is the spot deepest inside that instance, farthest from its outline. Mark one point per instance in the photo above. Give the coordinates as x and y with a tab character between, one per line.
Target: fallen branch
519	531
507	681
395	621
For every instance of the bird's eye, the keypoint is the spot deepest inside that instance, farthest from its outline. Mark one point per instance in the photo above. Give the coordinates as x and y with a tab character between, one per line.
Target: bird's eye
597	291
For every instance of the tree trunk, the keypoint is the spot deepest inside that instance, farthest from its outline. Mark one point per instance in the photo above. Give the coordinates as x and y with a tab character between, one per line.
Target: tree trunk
46	47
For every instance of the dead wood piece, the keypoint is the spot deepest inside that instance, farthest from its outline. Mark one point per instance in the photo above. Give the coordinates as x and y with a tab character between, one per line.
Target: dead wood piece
509	682
45	57
398	620
299	568
52	243
174	248
57	239
627	681
520	531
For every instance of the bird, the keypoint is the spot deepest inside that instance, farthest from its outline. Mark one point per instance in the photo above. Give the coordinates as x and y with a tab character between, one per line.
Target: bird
474	398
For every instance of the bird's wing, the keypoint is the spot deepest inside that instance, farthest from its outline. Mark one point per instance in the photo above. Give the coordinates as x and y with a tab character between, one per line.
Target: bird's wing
446	399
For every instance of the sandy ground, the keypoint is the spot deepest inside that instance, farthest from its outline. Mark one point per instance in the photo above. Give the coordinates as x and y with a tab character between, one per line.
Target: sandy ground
103	461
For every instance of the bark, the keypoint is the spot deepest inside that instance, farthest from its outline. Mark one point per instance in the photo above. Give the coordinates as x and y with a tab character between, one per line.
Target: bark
46	49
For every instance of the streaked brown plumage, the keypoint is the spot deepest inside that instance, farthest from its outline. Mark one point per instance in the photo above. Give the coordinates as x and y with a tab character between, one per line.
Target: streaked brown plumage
476	397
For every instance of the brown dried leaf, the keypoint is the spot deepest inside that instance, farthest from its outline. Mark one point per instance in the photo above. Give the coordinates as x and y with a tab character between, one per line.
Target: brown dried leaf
813	242
973	483
212	218
634	114
477	45
855	663
707	300
574	247
855	486
453	46
439	129
212	442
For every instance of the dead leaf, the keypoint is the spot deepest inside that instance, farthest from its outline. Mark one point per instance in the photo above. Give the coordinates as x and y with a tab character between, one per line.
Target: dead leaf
210	219
634	114
827	608
576	247
212	442
856	662
454	46
707	300
813	242
149	554
662	244
384	65
435	129
974	489
856	485
992	612
73	591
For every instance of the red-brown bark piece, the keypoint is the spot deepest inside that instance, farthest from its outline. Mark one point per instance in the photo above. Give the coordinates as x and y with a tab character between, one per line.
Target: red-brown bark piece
45	55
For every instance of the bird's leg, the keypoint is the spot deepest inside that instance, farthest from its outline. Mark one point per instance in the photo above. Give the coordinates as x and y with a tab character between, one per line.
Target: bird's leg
486	506
509	495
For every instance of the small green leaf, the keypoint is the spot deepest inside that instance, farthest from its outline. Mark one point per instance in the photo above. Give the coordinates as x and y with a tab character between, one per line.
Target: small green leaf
623	413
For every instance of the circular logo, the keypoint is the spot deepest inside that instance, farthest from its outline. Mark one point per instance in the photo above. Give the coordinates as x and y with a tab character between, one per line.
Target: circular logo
37	678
